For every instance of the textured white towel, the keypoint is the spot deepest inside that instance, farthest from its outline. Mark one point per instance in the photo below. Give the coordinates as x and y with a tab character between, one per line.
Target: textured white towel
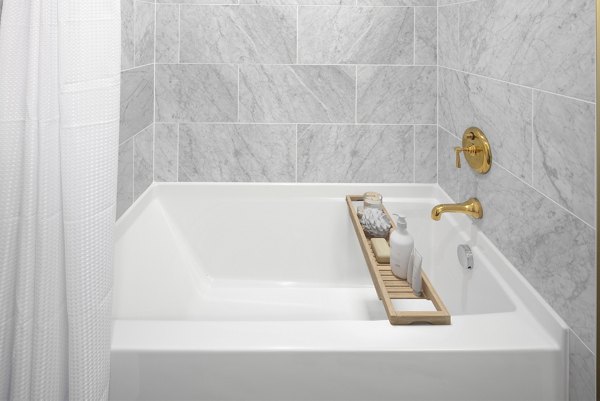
59	121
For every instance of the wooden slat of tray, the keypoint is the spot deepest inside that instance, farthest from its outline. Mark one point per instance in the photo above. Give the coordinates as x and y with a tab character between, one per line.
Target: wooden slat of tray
390	287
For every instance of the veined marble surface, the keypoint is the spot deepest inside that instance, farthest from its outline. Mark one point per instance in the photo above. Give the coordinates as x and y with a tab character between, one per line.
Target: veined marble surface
300	2
448	45
143	154
125	177
502	111
426	35
238	34
143	32
297	94
350	35
200	2
426	153
396	2
167	33
554	250
351	153
237	152
564	152
127	34
137	98
397	95
196	93
165	152
544	44
447	171
582	371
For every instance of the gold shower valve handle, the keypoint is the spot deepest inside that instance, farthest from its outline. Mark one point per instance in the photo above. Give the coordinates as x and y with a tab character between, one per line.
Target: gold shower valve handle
476	150
470	150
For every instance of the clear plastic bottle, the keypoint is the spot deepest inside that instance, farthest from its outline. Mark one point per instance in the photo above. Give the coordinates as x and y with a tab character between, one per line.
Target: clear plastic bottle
401	248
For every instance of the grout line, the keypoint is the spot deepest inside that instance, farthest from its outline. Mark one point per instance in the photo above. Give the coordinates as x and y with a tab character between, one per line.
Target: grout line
153	151
296	174
179	36
297	34
414	36
290	123
519	85
154	93
355	94
572	332
136	67
437	94
177	161
133	169
238	93
414	154
294	4
530	186
131	137
309	64
532	136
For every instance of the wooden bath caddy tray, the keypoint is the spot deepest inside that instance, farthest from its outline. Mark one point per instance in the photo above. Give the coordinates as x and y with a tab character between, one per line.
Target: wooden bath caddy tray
391	287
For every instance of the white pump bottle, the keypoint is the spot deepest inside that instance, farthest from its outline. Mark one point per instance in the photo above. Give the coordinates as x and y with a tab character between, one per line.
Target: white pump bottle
401	248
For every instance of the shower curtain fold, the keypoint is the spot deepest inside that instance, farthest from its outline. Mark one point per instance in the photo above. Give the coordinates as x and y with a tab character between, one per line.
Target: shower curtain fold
59	122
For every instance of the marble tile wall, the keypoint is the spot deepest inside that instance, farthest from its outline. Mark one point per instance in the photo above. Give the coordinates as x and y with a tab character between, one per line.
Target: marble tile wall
524	72
136	137
296	90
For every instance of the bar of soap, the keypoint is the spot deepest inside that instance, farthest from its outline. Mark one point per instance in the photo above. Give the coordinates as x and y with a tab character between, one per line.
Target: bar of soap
381	249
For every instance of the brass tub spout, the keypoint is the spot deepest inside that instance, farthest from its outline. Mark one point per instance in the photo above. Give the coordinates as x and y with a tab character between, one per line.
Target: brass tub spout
471	207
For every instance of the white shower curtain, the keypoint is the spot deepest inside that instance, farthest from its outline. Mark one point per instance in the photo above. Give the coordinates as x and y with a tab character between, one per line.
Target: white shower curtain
59	121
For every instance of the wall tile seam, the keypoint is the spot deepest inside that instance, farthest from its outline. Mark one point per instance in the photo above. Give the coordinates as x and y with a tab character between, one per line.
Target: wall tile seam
291	5
293	123
154	93
136	134
138	67
573	333
518	85
459	3
528	184
299	64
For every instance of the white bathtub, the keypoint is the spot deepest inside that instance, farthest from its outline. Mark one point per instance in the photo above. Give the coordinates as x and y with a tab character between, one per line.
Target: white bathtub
260	292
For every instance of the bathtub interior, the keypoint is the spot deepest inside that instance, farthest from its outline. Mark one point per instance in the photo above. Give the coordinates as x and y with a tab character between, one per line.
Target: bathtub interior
249	253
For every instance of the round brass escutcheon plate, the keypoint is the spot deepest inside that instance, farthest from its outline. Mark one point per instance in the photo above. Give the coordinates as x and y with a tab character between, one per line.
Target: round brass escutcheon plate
481	159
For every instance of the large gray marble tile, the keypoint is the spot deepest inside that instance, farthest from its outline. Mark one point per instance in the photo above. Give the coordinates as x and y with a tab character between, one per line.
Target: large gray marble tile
198	2
165	152
501	110
137	98
396	2
355	153
426	153
582	371
545	44
297	94
127	34
397	95
448	40
143	33
447	171
564	152
237	152
143	160
554	250
356	35
238	34
301	2
125	178
426	35
196	93
167	33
